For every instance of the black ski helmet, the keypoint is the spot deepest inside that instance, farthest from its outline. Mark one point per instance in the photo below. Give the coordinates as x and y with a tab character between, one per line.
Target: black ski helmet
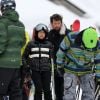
7	4
40	27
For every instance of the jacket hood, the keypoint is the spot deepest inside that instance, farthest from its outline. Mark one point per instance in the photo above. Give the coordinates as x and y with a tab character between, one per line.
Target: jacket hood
11	15
88	38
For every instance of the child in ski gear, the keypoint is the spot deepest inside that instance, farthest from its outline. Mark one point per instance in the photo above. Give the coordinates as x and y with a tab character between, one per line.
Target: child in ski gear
77	60
37	57
57	32
12	40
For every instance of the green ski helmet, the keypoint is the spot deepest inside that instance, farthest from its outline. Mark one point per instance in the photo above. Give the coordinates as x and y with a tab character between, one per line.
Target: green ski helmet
90	38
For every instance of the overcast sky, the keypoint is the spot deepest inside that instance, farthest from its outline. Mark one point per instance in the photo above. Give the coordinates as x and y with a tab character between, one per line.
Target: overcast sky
33	12
39	11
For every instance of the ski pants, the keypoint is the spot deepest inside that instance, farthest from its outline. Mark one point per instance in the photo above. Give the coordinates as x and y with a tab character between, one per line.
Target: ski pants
87	83
10	83
59	86
42	80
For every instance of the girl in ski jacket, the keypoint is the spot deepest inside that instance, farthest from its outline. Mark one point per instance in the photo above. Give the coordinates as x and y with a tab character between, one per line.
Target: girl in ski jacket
37	57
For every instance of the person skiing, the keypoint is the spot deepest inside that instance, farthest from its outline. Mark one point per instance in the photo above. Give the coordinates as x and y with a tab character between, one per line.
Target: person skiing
12	39
37	57
80	59
56	34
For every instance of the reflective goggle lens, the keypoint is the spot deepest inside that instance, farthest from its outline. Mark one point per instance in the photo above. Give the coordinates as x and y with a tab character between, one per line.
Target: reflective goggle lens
41	27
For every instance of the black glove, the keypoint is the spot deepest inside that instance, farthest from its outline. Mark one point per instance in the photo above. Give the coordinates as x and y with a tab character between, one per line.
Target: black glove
60	72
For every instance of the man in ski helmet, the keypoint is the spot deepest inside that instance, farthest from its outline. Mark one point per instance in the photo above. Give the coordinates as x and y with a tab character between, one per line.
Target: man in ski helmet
37	57
12	39
78	60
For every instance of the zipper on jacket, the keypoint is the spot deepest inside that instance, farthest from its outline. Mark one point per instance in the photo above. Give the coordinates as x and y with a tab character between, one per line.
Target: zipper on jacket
39	56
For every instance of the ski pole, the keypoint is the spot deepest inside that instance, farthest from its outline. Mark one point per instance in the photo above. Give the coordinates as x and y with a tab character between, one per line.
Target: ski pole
78	92
52	80
32	91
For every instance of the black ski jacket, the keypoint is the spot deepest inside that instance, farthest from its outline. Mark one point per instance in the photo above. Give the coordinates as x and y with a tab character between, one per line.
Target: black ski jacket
37	55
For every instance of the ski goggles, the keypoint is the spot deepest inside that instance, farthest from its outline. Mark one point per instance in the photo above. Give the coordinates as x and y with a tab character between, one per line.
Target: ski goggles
40	27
